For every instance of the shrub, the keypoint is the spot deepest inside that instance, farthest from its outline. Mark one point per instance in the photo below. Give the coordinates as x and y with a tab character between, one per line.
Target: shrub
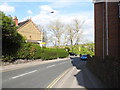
49	54
62	53
11	39
26	51
53	53
34	51
38	51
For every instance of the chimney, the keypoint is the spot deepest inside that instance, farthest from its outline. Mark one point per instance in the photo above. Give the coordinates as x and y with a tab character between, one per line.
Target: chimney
16	21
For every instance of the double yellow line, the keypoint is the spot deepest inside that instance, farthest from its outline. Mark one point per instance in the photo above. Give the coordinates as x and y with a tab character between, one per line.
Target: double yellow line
56	80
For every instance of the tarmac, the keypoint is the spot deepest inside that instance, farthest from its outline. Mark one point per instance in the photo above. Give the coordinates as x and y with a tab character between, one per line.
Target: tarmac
79	77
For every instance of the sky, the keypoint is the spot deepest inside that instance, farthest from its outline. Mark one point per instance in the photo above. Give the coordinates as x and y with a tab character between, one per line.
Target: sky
64	10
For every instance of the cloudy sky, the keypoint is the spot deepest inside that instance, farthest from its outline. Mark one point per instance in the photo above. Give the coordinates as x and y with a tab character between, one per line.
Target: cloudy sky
65	10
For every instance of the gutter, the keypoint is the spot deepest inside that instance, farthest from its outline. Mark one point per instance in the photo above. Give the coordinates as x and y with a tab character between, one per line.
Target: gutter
103	33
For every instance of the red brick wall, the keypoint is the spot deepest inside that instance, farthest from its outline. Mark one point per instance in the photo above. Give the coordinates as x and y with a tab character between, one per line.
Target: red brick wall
113	29
99	24
113	20
119	38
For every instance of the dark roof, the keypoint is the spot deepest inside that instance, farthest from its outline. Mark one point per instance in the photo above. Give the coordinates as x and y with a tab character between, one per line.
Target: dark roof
22	23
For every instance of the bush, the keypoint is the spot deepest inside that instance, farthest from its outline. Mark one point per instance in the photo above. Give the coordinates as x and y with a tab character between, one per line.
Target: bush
38	51
27	51
34	51
53	53
49	54
62	53
11	39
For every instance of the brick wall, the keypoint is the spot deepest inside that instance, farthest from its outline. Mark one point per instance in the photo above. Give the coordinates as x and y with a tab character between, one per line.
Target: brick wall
113	29
30	31
99	24
113	22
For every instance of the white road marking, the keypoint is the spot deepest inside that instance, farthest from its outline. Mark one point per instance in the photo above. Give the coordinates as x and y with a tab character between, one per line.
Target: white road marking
23	74
63	62
51	66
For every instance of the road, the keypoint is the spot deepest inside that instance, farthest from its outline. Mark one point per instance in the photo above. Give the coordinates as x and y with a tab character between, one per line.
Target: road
73	72
39	76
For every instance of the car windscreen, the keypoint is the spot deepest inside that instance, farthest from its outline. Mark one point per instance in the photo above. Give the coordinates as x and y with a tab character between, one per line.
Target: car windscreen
84	55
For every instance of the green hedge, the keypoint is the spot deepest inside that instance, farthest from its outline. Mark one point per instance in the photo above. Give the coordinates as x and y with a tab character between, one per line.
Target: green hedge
34	51
53	53
26	52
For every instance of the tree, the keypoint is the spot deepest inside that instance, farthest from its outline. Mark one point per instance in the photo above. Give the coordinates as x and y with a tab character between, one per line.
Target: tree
75	31
11	39
77	27
56	29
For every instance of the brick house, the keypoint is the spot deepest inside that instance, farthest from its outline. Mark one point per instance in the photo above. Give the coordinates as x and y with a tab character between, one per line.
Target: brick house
107	28
29	30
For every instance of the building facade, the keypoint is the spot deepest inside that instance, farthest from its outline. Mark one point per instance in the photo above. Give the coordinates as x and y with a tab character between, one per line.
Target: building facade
107	28
29	30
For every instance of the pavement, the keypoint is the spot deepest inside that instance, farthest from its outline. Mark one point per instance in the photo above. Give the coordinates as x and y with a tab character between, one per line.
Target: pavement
65	73
79	77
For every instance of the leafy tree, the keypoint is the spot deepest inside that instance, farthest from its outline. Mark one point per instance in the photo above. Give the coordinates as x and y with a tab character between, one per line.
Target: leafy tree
11	39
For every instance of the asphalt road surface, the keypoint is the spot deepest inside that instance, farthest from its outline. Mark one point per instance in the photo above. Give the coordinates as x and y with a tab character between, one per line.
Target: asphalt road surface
39	76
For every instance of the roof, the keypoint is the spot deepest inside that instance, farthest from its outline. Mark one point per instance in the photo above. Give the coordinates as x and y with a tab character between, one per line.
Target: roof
22	23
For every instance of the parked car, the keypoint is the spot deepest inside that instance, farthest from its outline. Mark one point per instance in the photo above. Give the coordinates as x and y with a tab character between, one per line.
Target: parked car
72	54
83	57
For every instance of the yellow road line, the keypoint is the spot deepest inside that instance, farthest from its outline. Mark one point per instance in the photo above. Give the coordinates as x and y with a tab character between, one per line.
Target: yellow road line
56	80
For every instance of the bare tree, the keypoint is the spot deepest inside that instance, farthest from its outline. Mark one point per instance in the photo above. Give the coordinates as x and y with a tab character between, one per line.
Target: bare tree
75	31
43	30
56	29
78	30
70	33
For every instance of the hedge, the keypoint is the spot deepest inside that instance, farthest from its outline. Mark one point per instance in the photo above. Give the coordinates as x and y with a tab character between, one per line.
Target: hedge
34	51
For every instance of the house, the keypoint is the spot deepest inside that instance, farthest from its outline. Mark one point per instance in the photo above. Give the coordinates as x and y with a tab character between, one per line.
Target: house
29	30
107	28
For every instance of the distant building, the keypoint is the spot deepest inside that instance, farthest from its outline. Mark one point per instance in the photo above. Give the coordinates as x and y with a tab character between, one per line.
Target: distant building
29	30
107	28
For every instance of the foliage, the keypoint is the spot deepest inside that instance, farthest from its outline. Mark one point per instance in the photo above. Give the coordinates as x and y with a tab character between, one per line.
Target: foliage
34	51
54	53
62	53
87	48
48	54
11	39
56	29
15	47
27	51
67	48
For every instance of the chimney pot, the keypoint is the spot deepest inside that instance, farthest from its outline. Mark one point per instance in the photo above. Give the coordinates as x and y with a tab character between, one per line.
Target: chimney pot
16	21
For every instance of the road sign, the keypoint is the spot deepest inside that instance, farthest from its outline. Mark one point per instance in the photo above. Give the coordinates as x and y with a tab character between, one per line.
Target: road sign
43	43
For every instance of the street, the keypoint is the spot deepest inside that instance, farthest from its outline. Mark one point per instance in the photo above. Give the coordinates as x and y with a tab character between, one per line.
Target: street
41	76
34	77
